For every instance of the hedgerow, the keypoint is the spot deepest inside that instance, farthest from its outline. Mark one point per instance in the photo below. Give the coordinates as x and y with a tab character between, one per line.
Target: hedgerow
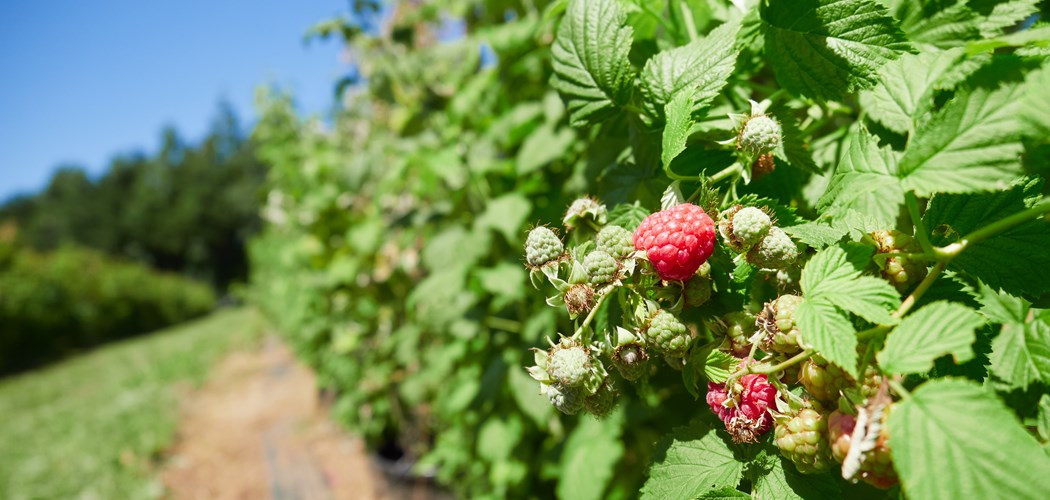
771	249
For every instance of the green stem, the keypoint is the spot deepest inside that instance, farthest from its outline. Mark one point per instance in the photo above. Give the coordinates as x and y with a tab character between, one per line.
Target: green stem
916	220
784	365
949	252
634	109
917	294
687	18
898	388
603	295
658	17
726	173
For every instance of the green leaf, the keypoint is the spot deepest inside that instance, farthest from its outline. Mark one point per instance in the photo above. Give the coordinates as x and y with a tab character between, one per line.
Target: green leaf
690	462
831	276
544	146
927	334
972	144
952	439
590	455
498	437
827	48
526	393
723	494
507	215
938	23
1014	260
1043	422
1007	14
1001	307
905	87
676	131
866	181
628	215
774	476
828	329
589	56
699	69
1021	354
1035	108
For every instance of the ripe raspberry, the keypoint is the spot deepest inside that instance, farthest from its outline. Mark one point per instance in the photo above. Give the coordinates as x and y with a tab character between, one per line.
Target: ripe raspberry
778	321
677	240
615	241
901	272
603	401
542	247
840	433
760	134
743	227
601	267
775	251
803	438
823	380
739	327
569	363
745	412
579	299
585	208
631	360
668	335
697	291
568	400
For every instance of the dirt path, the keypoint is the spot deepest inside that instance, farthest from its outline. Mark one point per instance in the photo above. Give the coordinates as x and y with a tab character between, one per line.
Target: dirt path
255	430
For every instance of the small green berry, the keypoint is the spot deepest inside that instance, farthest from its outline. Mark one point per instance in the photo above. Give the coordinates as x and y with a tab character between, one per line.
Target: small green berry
775	251
615	241
760	134
668	335
542	247
601	267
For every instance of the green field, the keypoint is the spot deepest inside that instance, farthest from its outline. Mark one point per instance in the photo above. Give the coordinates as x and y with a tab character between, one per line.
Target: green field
93	426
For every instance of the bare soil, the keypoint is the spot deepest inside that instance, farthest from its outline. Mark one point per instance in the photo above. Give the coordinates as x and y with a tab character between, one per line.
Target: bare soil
257	430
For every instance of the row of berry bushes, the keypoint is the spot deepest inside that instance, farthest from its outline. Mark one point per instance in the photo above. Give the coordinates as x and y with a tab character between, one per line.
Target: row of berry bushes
770	240
54	304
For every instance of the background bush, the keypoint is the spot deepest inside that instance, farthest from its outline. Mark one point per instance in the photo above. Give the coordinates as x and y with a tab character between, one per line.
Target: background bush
53	304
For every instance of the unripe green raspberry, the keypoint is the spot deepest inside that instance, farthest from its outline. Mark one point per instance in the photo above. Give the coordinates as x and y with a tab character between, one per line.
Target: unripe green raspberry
579	299
542	247
668	335
615	241
601	267
603	401
697	291
749	226
803	439
822	379
585	208
901	272
568	400
760	134
569	364
739	327
778	321
631	360
775	251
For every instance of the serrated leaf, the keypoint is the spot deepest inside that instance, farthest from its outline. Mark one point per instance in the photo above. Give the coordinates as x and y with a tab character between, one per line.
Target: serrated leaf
1036	104
827	48
866	181
723	494
1001	307
699	69
943	446
831	276
676	130
1043	422
827	329
628	215
816	234
938	23
1014	260
1007	14
1021	354
589	57
927	334
690	462
972	144
591	453
905	88
778	478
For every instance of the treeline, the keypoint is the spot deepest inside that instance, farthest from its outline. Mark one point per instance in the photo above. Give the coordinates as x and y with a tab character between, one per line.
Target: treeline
189	208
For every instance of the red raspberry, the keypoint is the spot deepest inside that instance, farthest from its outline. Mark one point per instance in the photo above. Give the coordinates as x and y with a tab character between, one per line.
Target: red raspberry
677	240
747	415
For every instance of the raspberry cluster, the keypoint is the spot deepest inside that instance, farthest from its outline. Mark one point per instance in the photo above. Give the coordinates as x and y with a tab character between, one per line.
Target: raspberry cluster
750	231
744	406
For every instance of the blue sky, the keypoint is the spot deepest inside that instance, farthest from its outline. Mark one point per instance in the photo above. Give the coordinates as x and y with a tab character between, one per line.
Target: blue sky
83	81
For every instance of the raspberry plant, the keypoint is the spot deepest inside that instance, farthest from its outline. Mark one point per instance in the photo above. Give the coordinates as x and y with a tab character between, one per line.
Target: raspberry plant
665	176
